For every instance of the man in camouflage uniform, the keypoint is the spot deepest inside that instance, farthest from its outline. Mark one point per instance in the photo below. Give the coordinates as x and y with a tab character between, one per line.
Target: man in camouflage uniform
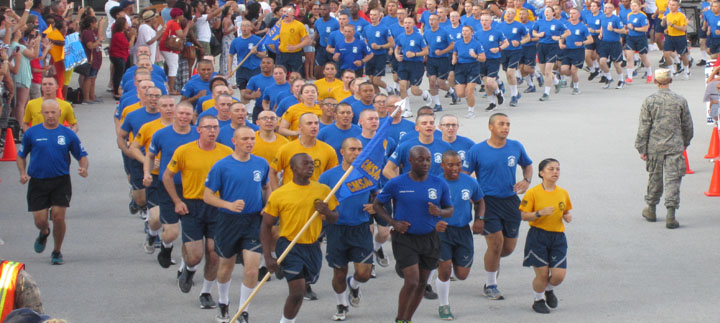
27	293
664	132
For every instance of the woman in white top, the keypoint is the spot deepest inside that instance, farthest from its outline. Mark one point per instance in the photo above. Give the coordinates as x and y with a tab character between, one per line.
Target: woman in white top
149	32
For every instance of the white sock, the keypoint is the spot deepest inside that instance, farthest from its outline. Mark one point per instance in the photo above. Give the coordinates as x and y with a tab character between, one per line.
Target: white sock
649	70
549	287
537	74
431	277
425	94
152	232
451	90
207	286
547	90
436	99
354	284
555	80
676	59
629	73
376	245
528	79
471	109
686	69
608	75
341	298
273	254
286	320
576	85
262	262
636	56
491	278
182	263
443	291
244	295
492	98
193	268
513	90
167	245
704	55
224	292
539	296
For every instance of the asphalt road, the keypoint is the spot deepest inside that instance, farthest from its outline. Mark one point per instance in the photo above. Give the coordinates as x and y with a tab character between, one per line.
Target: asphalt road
620	268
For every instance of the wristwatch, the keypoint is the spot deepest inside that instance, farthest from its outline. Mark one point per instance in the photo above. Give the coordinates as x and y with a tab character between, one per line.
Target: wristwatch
527	180
537	214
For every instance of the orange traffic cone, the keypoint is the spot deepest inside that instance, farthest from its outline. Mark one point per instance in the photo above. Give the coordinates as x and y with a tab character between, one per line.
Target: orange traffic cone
714	149
714	189
687	164
9	153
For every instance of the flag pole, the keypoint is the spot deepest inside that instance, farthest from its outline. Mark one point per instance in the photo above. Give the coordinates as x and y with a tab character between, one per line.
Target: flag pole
292	244
256	46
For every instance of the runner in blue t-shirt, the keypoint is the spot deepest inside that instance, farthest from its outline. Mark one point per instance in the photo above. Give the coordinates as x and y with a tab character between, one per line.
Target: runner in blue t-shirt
573	48
593	20
410	49
342	128
516	35
610	49
529	59
352	53
493	41
323	28
494	163
468	55
550	31
163	143
199	85
420	200
449	125
257	85
350	238
50	145
238	186
440	46
712	18
399	161
456	237
380	39
246	45
637	26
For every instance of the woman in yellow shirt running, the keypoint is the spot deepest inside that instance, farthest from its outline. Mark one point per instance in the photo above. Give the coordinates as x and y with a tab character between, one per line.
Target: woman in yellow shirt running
291	118
545	206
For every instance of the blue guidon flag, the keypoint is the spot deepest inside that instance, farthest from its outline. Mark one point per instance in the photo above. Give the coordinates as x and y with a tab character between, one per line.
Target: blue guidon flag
272	38
368	166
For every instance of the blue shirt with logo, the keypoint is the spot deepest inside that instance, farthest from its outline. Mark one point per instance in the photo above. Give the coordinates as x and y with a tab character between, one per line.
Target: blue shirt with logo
261	82
462	145
165	141
463	192
495	168
464	49
334	136
412	198
512	31
136	119
377	35
227	132
241	47
350	210
490	39
351	52
411	43
437	40
614	22
324	28
578	33
401	156
238	180
50	150
550	28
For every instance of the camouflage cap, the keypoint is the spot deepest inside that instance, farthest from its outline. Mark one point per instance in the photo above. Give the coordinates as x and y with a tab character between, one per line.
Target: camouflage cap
663	75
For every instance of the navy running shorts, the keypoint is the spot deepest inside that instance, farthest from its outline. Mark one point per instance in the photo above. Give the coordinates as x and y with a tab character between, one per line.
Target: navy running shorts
347	243
456	244
529	57
235	233
502	214
574	57
415	249
637	43
610	50
302	262
411	71
136	174
676	44
438	66
511	58
548	53
200	222
490	67
545	248
167	207
466	73
44	193
376	66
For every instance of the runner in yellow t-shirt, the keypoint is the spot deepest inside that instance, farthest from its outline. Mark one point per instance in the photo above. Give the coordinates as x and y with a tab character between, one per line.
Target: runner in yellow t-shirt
329	83
545	206
322	153
291	118
194	160
344	92
293	37
33	115
267	142
292	206
676	38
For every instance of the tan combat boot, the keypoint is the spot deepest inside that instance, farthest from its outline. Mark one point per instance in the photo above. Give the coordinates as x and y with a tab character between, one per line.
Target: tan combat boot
670	221
649	213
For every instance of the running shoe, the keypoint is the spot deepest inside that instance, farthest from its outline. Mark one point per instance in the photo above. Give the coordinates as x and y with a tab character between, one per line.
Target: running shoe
40	242
491	107
341	313
692	60
576	91
143	213
353	294
620	85
262	272
482	88
702	62
501	86
470	115
608	83
544	97
380	257
309	294
550	298
447	94
244	317
149	244
427	98
56	258
557	88
541	80
530	89
603	79
628	80
407	114
593	75
686	76
455	99
223	316
372	272
649	79
540	307
206	301
492	292
513	101
134	209
519	80
500	97
445	314
437	108
185	280
429	293
164	256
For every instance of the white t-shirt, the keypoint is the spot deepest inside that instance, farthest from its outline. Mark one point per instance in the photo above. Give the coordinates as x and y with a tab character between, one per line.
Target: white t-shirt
203	29
145	34
109	5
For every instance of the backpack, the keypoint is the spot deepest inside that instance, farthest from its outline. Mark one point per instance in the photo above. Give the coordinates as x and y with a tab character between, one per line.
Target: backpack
75	96
16	129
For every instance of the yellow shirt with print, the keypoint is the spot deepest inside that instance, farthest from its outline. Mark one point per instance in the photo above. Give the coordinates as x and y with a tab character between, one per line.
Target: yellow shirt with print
193	164
126	111
531	15
676	19
291	34
661	7
325	88
294	204
323	155
268	150
33	112
144	136
292	115
537	198
340	94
